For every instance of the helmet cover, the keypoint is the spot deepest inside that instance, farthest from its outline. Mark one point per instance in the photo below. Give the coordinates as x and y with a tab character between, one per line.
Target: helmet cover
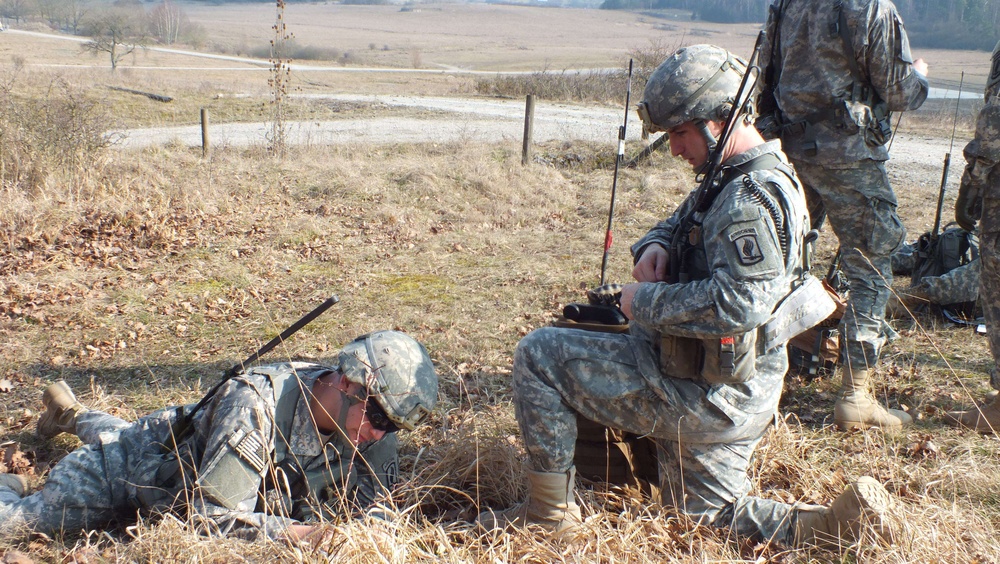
397	371
699	82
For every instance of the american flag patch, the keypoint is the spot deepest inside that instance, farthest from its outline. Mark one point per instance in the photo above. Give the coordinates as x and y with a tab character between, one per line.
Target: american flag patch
249	447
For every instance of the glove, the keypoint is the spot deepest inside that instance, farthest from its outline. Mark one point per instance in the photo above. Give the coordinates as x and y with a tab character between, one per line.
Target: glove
608	295
968	207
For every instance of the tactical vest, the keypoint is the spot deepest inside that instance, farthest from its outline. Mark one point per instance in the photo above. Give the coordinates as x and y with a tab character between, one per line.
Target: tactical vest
287	480
731	359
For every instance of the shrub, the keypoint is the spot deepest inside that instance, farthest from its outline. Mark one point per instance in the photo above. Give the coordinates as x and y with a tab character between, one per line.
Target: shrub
61	132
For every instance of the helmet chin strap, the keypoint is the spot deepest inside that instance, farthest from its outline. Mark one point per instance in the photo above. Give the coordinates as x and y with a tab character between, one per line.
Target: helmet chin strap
710	141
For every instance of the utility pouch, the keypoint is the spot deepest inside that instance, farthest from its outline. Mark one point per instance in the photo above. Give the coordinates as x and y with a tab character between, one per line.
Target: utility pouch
680	357
730	360
878	131
852	116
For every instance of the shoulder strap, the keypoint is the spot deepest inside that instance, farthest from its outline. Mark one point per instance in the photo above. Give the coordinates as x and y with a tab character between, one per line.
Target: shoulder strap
762	162
839	27
287	388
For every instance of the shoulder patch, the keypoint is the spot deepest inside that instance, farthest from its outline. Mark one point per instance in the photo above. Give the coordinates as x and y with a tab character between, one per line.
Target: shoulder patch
750	248
746	246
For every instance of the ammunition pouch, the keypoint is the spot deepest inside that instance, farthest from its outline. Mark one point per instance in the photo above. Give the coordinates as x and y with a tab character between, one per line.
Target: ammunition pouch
731	359
172	473
727	360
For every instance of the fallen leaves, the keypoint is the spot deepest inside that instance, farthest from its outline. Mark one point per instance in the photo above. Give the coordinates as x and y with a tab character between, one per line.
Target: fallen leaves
14	461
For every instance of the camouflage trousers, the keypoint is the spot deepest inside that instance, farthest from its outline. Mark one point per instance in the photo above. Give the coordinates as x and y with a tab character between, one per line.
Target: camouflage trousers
861	207
989	255
561	372
81	493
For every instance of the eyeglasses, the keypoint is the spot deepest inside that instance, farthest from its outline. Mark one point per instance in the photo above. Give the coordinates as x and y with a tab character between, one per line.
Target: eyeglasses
378	418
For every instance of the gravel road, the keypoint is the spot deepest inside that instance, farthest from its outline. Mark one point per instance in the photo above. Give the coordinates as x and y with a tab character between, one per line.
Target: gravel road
916	159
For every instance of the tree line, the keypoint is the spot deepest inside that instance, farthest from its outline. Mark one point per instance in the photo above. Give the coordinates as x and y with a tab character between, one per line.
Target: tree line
115	28
930	24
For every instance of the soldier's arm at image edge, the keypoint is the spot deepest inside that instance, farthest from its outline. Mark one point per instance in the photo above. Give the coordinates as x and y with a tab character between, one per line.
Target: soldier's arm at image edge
890	64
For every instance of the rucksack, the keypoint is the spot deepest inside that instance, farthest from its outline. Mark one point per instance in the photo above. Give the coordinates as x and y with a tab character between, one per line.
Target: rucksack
952	248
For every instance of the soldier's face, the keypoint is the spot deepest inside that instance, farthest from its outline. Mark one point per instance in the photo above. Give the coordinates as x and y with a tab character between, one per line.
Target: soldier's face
329	394
358	428
687	142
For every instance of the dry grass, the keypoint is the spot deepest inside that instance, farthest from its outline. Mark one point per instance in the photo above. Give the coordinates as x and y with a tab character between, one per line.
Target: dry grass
140	276
176	267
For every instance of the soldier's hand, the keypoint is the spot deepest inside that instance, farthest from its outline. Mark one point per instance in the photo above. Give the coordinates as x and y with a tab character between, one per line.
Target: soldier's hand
920	65
652	265
967	207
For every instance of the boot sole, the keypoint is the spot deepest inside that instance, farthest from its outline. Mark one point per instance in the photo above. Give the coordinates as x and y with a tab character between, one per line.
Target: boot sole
876	502
47	427
873	495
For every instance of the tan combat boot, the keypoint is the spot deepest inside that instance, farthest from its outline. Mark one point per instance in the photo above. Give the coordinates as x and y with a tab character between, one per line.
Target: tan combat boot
551	506
61	411
857	409
15	483
985	419
863	507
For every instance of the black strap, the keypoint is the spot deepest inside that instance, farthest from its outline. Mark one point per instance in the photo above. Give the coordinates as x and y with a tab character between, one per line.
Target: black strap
762	162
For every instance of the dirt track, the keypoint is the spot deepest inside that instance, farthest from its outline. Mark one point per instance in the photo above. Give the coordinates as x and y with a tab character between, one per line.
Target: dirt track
916	159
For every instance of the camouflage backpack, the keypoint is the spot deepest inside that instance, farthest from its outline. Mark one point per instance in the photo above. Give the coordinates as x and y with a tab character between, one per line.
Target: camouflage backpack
951	249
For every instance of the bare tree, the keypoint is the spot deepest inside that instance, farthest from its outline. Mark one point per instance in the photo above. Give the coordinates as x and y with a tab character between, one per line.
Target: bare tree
117	30
167	21
17	10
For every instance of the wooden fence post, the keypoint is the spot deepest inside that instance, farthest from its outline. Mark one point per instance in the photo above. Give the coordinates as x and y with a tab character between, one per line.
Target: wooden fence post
204	132
529	123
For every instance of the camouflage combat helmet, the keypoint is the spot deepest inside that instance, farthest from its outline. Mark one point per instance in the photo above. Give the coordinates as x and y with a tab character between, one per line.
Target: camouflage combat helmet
993	80
397	372
695	83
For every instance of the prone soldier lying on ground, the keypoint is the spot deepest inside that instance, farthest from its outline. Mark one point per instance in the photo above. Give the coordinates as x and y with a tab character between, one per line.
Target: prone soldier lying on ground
278	449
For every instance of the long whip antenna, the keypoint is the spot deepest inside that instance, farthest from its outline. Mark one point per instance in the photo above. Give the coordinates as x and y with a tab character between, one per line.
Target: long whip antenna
614	182
947	162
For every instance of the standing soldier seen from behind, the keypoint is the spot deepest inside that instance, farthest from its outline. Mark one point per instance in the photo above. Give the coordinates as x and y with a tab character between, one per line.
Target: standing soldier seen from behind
277	451
697	372
979	199
833	72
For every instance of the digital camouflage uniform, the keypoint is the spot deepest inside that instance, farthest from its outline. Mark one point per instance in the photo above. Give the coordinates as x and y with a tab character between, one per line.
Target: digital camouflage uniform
981	188
122	470
706	429
833	124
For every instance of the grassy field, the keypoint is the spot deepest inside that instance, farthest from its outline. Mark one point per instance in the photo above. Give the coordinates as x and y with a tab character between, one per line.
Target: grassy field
140	276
